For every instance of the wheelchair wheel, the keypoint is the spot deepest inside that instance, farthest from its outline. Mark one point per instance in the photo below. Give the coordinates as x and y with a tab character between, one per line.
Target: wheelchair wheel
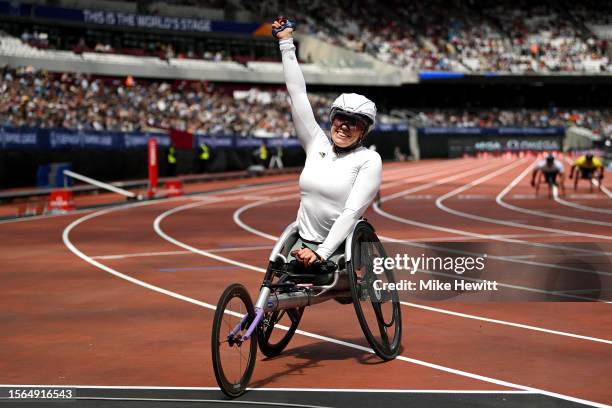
233	359
378	311
273	340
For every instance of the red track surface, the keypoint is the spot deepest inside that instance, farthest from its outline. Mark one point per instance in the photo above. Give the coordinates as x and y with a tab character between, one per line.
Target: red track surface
67	321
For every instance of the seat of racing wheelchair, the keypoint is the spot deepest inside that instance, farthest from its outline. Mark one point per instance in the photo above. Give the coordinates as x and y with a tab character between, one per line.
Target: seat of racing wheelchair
318	274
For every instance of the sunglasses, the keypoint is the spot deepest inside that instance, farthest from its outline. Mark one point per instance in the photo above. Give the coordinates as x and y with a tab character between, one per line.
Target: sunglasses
351	121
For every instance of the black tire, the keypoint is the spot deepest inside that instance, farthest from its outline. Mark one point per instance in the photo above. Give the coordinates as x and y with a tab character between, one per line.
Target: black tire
233	383
378	311
272	340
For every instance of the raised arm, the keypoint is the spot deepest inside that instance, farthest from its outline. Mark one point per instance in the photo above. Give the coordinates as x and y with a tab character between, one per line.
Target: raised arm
365	188
306	125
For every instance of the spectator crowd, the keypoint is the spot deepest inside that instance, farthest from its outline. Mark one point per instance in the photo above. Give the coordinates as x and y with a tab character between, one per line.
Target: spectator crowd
472	36
599	121
520	36
31	98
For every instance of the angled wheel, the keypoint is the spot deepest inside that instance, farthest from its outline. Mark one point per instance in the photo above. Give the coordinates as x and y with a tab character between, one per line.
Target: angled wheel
233	357
273	340
377	309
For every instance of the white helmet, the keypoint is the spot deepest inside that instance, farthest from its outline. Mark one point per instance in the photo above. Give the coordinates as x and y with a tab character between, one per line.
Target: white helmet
357	105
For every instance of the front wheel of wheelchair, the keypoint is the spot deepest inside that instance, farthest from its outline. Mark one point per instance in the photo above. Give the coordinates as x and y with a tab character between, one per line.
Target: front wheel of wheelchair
233	357
272	340
378	310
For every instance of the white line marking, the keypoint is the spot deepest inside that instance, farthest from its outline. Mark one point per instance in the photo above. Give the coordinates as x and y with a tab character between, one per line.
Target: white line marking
461	238
500	200
230	402
161	233
506	323
603	188
240	223
511	286
76	251
430	173
38	217
561	201
403	358
140	254
290	389
437	182
441	199
128	204
483	236
495	237
169	253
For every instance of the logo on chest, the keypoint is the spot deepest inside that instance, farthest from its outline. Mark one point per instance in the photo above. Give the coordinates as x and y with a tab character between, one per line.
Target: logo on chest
322	154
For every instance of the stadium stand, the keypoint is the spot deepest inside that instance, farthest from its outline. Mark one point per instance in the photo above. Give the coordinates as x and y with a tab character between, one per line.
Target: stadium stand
478	36
75	101
472	37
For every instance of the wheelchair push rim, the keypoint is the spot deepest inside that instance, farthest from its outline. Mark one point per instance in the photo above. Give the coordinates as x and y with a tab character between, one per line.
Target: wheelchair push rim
233	357
378	311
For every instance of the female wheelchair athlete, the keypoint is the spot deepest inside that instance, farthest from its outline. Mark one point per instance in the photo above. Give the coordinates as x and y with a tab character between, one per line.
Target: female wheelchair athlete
287	289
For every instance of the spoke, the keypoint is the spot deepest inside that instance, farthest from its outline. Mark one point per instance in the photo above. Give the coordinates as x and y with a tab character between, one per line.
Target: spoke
382	328
272	321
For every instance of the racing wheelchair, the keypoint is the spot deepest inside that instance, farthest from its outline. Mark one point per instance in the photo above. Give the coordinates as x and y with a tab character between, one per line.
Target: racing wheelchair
287	289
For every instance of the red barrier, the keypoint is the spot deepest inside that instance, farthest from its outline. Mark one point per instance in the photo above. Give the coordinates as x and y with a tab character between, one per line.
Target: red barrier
61	200
174	188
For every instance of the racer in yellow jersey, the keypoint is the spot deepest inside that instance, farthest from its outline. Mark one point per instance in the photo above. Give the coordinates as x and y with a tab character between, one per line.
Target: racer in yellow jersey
589	168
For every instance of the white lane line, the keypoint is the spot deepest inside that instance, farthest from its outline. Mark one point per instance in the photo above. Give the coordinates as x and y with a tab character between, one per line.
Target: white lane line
514	287
500	238
561	201
368	350
161	233
287	389
86	258
240	223
495	237
39	217
507	323
500	201
521	259
430	172
442	181
127	204
441	199
248	228
140	254
455	238
183	400
76	251
604	189
252	230
170	253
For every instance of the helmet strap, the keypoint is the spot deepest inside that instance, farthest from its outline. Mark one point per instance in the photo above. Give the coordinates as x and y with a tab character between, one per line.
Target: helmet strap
338	149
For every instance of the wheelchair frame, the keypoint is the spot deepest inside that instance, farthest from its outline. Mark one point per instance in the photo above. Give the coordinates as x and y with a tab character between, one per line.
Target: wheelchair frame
275	297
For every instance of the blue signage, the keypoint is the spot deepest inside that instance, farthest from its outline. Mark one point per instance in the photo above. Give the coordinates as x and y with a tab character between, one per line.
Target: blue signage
13	138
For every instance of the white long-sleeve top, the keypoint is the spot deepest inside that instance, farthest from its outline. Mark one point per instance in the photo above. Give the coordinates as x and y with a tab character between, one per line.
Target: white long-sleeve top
335	189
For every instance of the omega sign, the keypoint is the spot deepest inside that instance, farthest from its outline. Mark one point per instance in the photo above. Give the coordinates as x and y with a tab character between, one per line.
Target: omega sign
515	144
